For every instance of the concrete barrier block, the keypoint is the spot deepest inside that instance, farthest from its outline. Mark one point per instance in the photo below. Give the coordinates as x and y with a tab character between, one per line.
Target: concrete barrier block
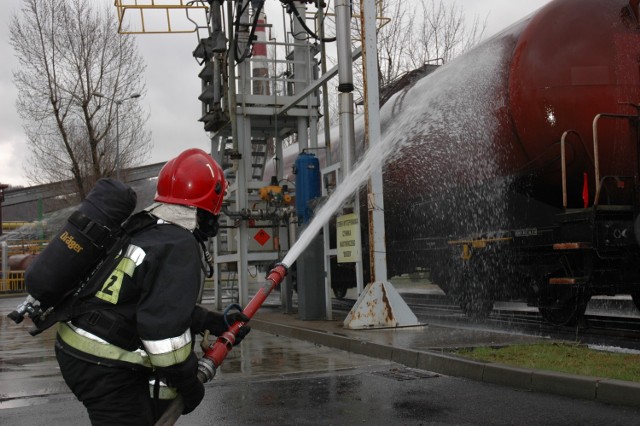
564	384
374	350
618	392
406	357
507	376
272	328
296	333
326	339
450	365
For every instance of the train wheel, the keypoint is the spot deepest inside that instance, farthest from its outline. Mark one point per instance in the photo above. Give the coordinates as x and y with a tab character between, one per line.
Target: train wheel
476	308
472	293
440	275
339	292
417	276
563	305
635	296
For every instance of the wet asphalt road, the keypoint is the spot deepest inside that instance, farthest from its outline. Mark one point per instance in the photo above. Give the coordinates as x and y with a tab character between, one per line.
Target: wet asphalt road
271	380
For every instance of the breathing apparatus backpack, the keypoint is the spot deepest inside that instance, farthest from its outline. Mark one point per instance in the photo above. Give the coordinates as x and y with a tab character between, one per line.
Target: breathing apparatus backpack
88	246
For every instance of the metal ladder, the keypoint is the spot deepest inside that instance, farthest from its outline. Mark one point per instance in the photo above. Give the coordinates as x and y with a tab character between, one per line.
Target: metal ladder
258	158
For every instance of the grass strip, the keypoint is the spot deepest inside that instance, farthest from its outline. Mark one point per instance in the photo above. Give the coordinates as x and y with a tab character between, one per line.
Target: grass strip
564	357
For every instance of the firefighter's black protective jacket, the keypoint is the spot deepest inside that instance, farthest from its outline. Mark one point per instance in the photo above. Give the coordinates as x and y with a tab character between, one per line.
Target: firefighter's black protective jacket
146	310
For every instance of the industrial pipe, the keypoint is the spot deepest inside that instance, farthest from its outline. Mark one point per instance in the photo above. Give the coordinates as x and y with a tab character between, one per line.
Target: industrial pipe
246	214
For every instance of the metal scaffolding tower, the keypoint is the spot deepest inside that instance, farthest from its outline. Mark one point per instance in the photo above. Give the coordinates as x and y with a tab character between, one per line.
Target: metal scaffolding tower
259	86
256	94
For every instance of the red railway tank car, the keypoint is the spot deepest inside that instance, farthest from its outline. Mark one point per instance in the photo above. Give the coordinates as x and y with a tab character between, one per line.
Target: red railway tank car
514	171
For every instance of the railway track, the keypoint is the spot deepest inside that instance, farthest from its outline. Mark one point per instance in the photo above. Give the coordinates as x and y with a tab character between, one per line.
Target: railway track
599	327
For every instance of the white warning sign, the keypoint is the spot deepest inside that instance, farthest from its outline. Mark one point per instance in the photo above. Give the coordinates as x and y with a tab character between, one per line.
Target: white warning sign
348	238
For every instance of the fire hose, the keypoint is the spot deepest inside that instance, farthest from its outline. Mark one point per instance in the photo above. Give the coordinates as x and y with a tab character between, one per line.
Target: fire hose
215	354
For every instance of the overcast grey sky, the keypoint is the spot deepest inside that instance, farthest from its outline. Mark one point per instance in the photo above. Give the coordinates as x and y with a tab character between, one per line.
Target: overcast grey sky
173	86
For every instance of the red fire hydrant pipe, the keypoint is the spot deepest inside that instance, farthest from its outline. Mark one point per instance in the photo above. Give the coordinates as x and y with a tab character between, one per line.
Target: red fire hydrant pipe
218	351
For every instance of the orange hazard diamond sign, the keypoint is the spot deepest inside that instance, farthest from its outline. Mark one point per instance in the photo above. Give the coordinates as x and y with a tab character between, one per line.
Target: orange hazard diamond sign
262	237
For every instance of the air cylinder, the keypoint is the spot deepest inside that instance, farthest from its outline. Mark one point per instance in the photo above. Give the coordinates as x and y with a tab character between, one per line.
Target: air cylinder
307	170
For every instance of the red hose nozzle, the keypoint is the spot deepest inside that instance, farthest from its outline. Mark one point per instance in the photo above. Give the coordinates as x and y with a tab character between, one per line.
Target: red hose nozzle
277	274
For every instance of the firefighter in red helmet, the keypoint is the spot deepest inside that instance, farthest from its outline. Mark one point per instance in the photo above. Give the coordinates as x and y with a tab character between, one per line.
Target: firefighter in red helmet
130	349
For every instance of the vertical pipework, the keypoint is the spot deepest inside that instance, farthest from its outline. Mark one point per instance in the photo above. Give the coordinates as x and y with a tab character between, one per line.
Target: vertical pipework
242	138
301	69
217	34
219	47
217	81
325	93
343	37
232	76
345	103
260	63
345	83
377	243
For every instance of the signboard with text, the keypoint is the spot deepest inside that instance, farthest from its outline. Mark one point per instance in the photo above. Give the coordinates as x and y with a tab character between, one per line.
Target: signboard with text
348	238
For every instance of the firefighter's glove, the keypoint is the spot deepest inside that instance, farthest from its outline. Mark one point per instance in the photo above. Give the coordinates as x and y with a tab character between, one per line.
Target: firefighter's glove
184	378
215	323
192	395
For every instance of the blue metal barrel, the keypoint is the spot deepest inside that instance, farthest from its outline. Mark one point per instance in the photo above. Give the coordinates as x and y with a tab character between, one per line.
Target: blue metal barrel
307	169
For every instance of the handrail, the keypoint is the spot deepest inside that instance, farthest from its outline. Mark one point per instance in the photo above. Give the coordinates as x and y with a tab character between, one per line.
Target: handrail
605	178
563	159
143	6
564	170
12	282
596	160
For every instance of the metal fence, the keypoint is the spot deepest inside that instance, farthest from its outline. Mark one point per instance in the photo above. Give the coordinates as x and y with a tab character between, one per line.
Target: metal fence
24	246
11	269
12	282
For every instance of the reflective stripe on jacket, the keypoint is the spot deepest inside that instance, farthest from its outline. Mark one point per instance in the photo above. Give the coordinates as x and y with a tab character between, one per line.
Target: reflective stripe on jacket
91	344
168	352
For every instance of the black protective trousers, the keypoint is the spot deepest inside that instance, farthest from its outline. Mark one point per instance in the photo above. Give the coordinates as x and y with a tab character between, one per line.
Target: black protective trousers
111	395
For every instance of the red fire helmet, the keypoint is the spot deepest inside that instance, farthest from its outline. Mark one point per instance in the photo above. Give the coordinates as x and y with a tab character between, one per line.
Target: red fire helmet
193	179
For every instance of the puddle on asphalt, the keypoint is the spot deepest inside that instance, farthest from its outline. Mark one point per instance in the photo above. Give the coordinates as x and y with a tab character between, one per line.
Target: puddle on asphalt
266	354
29	372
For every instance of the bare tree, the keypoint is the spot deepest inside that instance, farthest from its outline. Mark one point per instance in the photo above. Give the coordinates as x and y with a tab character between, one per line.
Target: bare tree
395	50
68	51
412	34
443	33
